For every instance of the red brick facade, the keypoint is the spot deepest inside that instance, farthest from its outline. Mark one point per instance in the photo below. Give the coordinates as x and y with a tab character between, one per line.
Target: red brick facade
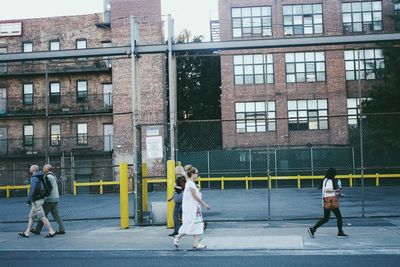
335	88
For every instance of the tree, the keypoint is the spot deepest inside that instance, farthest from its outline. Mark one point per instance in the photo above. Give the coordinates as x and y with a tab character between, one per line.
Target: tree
198	97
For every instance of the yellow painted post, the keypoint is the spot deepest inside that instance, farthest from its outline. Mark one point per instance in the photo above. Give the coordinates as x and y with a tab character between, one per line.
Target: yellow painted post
74	188
8	191
247	183
101	187
351	180
145	194
298	181
377	179
27	190
199	183
222	183
170	192
269	182
123	195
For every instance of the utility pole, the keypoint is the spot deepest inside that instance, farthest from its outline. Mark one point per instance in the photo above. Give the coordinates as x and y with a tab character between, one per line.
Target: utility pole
172	88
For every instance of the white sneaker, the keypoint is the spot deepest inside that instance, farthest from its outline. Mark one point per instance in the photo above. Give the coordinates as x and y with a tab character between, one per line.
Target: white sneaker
176	242
200	246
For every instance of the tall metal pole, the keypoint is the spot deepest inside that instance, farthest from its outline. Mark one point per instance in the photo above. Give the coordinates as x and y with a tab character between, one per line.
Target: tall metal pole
137	156
267	139
172	88
361	137
46	93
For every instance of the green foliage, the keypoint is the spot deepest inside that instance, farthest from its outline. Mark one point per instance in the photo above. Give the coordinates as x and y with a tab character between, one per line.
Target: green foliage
198	96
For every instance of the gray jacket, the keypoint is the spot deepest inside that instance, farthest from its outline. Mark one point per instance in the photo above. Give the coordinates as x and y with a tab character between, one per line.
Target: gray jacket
54	196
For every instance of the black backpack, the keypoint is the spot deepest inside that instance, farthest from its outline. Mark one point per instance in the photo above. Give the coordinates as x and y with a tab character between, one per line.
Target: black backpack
47	186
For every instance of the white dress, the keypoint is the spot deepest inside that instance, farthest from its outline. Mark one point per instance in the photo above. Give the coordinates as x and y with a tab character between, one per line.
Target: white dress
192	218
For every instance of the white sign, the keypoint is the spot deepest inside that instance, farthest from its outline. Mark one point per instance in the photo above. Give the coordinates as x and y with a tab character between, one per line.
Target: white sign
152	130
154	147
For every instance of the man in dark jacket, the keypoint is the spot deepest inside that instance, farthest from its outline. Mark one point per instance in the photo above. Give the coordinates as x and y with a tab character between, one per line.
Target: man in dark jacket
36	200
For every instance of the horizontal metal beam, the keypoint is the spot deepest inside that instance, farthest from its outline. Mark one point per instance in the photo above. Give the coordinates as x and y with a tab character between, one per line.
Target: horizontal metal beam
65	54
274	43
227	45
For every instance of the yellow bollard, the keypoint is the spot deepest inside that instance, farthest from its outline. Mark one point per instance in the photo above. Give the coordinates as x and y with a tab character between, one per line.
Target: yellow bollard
74	188
269	182
145	194
170	192
247	183
377	179
222	183
351	180
123	195
298	181
8	192
101	187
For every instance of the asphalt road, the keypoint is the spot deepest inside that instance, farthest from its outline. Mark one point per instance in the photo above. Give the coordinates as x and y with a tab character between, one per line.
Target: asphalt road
188	258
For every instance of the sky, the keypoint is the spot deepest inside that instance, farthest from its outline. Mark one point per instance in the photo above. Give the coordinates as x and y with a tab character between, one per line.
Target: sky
193	15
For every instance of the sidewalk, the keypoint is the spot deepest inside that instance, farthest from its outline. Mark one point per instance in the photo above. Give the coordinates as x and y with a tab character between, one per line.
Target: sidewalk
379	236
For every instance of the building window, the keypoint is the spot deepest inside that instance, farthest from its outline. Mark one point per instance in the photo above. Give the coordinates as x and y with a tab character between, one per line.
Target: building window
54	45
81	91
55	94
28	135
107	59
3	140
28	93
252	117
371	61
363	16
251	22
305	67
302	19
82	134
81	44
55	134
308	114
107	95
3	66
397	16
108	131
3	100
10	29
353	110
27	47
253	69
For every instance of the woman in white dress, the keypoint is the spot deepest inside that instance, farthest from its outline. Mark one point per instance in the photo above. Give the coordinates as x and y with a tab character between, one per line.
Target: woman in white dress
192	218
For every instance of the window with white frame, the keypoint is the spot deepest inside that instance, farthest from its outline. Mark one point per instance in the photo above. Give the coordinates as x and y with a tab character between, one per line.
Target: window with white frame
55	134
82	134
54	45
10	29
252	117
55	93
253	69
81	91
28	135
353	110
308	114
305	67
302	19
28	93
365	16
27	47
251	21
371	61
107	59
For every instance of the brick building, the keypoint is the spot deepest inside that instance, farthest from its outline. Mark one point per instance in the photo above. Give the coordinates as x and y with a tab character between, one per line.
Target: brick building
297	96
79	108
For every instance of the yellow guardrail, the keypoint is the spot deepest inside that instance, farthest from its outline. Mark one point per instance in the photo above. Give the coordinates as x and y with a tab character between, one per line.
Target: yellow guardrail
298	178
100	183
8	188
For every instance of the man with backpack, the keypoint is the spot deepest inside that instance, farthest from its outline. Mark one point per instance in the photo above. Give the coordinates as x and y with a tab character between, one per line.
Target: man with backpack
36	200
51	201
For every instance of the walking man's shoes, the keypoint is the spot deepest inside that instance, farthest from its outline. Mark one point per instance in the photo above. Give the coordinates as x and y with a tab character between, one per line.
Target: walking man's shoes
311	231
341	234
32	230
60	232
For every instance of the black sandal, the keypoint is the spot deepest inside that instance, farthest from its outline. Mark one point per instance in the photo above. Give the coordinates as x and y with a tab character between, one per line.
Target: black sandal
50	235
22	234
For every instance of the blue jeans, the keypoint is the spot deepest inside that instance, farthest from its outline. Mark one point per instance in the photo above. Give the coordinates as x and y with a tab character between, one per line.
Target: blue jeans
177	216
